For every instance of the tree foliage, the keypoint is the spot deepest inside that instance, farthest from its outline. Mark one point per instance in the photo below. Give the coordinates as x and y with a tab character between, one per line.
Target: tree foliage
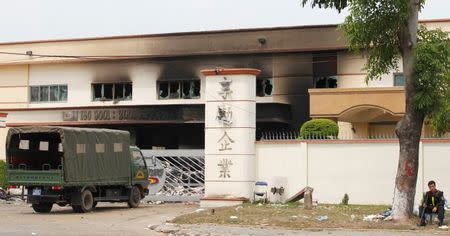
2	174
432	70
374	29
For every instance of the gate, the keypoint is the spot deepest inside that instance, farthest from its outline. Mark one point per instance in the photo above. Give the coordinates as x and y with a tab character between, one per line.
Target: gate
182	174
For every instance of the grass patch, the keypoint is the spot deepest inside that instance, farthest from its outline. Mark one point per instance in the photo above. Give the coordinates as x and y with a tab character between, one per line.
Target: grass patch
293	216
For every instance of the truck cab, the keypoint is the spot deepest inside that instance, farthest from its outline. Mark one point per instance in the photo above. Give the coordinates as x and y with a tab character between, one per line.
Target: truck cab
75	166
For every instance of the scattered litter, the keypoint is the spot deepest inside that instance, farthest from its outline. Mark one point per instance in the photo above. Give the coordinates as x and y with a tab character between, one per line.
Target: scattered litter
315	202
233	217
443	227
33	233
322	218
305	217
190	203
388	212
294	216
167	228
277	205
259	204
389	218
199	210
154	202
353	217
238	208
373	217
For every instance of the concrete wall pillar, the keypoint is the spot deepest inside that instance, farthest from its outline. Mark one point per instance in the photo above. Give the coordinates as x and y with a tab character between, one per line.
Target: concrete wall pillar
230	124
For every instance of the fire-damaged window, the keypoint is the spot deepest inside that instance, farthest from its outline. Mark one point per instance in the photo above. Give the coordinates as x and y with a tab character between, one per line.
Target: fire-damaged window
112	91
179	89
48	93
264	87
325	82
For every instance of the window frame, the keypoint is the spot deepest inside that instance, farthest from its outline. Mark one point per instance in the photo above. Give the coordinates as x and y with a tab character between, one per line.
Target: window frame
393	80
263	87
180	83
102	99
48	86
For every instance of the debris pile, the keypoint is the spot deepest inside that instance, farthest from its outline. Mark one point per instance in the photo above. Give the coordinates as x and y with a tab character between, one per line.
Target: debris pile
386	216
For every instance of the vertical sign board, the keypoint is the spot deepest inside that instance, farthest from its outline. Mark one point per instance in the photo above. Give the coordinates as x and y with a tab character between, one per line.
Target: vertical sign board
3	120
230	123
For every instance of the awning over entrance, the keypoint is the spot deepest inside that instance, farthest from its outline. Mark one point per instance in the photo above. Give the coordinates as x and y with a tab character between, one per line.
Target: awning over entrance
358	104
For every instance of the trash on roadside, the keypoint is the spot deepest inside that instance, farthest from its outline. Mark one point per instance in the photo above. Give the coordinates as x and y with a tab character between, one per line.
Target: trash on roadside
233	217
199	210
322	218
388	212
238	208
443	227
388	218
373	217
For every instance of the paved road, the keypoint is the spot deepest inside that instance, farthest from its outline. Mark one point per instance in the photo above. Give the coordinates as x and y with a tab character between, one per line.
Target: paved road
108	219
230	230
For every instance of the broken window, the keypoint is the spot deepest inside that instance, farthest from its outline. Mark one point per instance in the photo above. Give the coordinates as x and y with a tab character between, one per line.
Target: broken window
325	82
174	90
54	93
264	87
118	91
46	93
43	94
112	91
35	94
184	89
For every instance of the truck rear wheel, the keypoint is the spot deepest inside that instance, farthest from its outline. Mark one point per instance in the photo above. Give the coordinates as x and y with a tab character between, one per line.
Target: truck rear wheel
135	197
43	207
87	202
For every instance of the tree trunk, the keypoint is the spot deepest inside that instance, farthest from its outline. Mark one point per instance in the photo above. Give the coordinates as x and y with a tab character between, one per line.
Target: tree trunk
409	128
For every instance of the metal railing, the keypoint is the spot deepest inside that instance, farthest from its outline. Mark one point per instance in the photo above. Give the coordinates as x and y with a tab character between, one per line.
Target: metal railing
295	135
184	175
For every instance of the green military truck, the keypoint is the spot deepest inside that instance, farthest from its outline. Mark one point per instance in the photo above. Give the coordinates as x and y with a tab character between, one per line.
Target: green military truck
75	166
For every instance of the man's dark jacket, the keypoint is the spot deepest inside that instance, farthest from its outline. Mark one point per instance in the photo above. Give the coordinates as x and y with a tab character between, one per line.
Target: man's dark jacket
434	199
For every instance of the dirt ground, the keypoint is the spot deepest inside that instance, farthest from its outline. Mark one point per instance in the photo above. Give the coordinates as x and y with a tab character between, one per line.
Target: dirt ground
293	216
108	219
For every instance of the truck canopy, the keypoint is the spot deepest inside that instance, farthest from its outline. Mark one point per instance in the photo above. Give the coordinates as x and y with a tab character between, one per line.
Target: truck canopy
85	155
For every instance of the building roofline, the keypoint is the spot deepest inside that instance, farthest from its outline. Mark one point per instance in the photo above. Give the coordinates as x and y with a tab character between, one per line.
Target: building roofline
195	33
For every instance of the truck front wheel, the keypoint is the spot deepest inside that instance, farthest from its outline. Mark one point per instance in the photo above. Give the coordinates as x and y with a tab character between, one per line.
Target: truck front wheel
43	207
135	197
87	202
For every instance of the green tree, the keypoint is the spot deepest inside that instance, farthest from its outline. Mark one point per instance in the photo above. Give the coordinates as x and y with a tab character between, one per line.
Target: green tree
2	174
387	32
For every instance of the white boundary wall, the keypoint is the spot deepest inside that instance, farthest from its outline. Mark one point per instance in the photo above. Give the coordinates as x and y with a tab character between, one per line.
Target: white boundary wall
364	170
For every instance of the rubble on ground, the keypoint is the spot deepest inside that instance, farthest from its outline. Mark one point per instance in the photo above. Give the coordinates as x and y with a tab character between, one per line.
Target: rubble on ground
386	216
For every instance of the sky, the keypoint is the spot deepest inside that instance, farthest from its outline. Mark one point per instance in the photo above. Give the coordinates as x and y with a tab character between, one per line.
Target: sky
27	20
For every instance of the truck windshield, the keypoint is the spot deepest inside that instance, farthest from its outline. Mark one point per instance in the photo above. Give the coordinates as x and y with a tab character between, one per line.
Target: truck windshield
138	159
35	151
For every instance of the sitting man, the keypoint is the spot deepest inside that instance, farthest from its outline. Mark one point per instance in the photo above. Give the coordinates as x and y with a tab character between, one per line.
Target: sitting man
432	202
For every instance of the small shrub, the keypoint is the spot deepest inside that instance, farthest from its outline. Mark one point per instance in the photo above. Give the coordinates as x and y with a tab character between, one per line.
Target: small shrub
319	129
345	199
2	174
